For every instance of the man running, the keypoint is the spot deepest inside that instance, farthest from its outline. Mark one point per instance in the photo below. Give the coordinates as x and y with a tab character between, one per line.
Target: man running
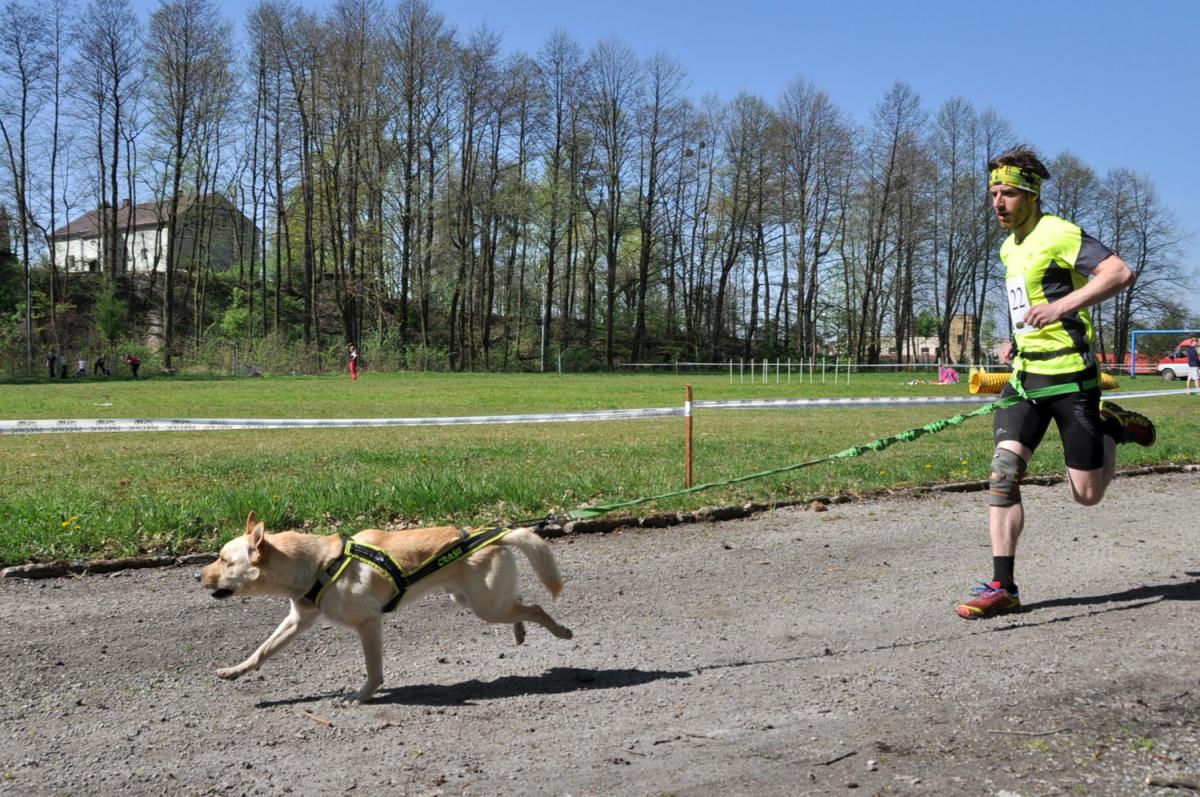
1193	360
1053	272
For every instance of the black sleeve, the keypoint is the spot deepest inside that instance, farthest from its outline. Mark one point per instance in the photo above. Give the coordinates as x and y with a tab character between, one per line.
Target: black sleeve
1091	254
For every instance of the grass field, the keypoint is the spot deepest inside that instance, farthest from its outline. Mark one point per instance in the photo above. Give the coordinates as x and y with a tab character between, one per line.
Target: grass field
69	496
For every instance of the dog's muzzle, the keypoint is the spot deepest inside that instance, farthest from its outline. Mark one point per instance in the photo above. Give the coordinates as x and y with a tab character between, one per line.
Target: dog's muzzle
222	593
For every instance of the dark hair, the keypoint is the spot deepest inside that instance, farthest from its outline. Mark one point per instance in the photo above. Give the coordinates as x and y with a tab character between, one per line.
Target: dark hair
1023	158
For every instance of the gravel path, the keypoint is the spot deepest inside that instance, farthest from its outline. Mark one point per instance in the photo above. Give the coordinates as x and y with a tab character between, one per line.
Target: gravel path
796	652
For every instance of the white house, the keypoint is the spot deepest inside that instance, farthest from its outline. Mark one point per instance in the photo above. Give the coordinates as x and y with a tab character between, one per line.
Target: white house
209	229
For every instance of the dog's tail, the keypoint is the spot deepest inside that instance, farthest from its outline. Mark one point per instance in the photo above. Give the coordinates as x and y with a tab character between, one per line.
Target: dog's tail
540	557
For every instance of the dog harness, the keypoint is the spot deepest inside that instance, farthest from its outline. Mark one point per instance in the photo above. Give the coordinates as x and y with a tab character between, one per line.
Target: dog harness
381	560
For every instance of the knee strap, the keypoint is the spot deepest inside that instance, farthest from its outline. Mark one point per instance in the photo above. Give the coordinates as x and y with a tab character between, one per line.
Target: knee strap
1007	471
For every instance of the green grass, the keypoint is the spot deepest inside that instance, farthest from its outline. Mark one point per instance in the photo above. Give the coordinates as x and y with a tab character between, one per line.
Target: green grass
69	496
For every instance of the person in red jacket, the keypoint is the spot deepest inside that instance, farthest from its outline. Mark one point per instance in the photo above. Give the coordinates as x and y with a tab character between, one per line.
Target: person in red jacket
353	363
133	363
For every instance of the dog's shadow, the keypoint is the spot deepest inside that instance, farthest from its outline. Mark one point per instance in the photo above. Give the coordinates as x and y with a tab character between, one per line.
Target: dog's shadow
1152	593
556	680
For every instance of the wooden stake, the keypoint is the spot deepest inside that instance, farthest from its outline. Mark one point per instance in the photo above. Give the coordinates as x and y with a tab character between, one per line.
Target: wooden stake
687	438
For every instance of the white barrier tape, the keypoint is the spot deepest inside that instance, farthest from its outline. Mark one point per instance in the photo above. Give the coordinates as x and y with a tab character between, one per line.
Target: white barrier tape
750	404
213	424
210	424
886	401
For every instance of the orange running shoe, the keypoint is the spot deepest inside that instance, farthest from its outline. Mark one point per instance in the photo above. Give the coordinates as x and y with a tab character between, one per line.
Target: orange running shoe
1135	427
989	601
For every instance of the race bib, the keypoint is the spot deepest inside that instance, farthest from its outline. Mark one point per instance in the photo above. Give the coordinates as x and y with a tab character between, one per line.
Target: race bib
1018	305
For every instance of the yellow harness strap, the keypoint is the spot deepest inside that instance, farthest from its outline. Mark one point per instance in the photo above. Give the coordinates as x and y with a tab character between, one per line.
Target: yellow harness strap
381	560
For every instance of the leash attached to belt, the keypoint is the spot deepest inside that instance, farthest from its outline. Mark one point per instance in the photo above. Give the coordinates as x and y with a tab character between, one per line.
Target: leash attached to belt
381	560
1049	391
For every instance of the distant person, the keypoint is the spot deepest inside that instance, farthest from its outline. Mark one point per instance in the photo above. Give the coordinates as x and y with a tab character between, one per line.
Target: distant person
134	363
353	363
1054	272
62	369
82	372
52	362
100	366
1193	366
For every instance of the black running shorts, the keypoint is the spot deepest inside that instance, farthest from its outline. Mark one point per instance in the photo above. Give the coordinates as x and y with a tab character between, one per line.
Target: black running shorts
1076	414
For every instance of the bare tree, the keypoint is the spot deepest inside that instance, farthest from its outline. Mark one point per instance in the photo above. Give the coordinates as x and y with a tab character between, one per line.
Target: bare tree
25	64
560	68
993	136
1145	234
613	71
477	70
108	71
818	154
188	62
1072	191
958	250
658	127
888	170
55	28
744	138
298	36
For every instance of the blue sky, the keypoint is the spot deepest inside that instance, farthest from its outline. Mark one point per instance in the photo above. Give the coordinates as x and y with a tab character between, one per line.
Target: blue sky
1116	83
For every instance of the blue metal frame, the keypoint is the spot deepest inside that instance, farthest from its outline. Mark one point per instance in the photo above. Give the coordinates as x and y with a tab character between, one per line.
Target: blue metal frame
1133	343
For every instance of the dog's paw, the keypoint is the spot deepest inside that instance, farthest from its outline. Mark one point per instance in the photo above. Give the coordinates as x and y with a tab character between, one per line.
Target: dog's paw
354	699
363	695
230	673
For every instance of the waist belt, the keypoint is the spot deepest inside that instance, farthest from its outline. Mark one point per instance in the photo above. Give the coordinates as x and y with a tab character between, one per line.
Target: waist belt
381	560
1050	391
1050	355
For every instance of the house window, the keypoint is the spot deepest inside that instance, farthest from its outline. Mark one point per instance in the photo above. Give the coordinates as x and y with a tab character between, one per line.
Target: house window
94	266
70	262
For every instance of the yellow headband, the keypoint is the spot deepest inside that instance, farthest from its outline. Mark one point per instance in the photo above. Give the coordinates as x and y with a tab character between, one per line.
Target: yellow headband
1017	178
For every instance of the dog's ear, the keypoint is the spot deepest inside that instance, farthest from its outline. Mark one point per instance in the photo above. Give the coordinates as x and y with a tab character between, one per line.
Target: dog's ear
258	543
251	522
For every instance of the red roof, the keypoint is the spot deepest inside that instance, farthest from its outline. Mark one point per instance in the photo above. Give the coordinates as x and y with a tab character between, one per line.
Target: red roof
145	214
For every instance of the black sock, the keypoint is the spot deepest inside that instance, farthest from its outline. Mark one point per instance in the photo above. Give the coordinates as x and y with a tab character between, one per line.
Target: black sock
1002	571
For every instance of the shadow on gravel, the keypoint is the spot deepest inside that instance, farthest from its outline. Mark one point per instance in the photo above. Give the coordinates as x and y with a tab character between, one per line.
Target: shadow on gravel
1185	591
556	680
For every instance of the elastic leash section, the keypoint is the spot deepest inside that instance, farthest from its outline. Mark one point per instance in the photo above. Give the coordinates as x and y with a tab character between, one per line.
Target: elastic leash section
588	512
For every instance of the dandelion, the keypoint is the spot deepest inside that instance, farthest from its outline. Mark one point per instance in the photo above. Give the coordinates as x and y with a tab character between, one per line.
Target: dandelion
928	466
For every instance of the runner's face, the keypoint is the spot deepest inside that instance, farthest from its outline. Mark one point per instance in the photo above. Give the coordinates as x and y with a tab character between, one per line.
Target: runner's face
1013	206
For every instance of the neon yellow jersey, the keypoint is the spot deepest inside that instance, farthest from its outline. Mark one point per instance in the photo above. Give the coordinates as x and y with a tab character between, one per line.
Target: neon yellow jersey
1054	259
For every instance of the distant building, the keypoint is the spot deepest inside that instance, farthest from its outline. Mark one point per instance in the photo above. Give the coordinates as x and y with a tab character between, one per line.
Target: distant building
209	230
962	333
919	349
